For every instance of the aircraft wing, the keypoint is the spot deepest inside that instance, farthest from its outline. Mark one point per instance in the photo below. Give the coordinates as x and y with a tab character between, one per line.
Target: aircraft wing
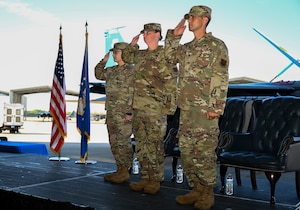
294	61
97	87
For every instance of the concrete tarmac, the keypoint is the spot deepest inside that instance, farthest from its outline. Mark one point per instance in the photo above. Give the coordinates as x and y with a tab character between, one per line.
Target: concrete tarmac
39	130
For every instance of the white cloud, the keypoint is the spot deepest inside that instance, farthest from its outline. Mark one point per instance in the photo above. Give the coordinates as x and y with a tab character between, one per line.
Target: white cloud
35	15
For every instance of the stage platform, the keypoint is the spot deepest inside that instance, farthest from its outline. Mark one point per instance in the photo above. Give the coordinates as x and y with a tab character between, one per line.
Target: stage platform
23	147
33	182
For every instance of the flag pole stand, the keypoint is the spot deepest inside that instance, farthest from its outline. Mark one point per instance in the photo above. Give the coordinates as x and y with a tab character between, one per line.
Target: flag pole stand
59	158
86	162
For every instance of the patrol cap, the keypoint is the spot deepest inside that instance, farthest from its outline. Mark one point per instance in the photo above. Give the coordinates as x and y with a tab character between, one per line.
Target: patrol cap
119	46
199	11
151	27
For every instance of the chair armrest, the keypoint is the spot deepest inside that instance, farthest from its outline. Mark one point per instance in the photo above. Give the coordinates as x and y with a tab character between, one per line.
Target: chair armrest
289	153
285	145
229	141
296	138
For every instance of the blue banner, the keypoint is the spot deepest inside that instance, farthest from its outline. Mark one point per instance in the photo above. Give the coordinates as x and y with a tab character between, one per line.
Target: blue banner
83	108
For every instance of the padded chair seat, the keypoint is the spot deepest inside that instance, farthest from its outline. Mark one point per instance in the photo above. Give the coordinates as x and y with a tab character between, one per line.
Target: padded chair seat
252	160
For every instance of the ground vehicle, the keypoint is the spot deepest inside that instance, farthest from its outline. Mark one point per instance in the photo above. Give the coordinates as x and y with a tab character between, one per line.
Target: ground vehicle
11	117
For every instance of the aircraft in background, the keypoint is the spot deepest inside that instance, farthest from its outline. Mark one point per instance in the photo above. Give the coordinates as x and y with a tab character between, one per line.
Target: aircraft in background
44	115
268	88
246	89
284	52
71	115
112	36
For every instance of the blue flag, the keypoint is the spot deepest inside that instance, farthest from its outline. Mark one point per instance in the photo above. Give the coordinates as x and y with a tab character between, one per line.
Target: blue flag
83	108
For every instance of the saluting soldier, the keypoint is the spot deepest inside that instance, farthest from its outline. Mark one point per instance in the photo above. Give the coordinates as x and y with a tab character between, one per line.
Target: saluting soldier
118	90
154	98
202	87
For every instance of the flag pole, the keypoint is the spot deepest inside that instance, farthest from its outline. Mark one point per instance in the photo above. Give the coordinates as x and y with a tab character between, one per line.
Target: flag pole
83	109
58	106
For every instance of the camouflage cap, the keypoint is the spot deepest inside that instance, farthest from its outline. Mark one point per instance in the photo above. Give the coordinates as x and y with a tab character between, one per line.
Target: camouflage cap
119	46
199	11
151	27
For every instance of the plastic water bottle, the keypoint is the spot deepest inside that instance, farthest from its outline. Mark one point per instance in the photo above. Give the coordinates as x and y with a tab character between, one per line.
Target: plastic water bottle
135	166
179	175
229	185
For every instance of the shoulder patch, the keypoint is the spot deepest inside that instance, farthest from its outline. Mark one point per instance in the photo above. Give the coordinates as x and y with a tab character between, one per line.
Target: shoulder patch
223	62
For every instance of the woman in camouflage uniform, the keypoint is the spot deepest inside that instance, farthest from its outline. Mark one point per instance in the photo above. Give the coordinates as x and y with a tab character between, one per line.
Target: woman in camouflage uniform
118	90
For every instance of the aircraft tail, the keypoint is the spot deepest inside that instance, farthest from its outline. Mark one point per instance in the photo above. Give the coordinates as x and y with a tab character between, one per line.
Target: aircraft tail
71	115
111	37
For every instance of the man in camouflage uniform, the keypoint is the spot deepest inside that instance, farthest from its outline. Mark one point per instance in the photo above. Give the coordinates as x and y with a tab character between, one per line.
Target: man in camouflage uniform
202	91
118	90
154	98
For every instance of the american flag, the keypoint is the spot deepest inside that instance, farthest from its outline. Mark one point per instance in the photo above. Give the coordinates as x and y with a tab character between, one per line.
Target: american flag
83	109
58	103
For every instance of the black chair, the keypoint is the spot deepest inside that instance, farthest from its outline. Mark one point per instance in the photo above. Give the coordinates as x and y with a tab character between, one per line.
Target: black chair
238	117
272	146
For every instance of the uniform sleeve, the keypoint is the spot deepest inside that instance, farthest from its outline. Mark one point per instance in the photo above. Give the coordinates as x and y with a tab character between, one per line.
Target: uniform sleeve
219	80
130	90
170	91
171	46
170	87
128	54
100	71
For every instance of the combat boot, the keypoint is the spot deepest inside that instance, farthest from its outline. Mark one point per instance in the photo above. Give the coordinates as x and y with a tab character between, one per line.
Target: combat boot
152	187
140	185
121	177
206	200
191	197
109	176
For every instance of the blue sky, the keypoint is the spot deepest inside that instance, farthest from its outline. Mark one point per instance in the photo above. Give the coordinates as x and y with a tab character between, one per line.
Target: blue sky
30	30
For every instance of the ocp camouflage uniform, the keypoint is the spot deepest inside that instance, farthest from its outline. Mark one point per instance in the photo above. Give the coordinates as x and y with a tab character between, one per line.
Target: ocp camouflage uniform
118	91
202	87
154	98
